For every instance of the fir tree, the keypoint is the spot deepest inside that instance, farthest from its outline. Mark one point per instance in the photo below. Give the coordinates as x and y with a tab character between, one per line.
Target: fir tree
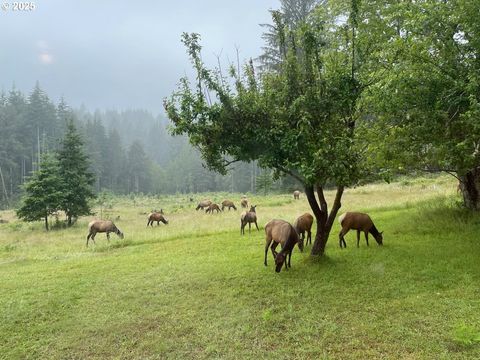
74	169
43	192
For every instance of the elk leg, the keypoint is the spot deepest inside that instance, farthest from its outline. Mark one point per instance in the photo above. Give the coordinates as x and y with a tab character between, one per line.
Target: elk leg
257	226
88	237
273	247
358	238
366	237
309	237
267	244
249	227
343	233
108	236
289	258
242	231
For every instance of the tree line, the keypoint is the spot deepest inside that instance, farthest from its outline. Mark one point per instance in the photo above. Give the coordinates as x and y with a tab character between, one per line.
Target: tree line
128	152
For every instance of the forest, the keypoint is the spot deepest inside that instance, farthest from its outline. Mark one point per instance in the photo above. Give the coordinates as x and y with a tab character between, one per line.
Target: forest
129	151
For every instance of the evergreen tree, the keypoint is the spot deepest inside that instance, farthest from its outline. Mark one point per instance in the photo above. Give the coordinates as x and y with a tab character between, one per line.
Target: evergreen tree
74	169
43	192
264	181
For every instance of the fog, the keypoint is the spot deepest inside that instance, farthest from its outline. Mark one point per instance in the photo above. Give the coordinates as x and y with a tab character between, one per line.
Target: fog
120	55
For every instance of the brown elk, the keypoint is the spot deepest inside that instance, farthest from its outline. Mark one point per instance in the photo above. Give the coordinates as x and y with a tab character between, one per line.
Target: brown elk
296	194
203	204
229	204
360	222
156	216
213	207
244	203
102	226
281	232
248	217
304	223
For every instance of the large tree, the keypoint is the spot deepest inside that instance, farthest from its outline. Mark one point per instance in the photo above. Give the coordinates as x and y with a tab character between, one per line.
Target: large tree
43	192
74	170
428	103
298	120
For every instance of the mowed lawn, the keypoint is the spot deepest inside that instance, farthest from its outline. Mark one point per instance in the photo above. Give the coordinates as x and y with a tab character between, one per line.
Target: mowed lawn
196	288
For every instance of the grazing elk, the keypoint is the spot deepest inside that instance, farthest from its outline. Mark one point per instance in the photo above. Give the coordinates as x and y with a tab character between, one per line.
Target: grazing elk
156	216
244	203
248	217
360	222
213	207
203	204
304	223
296	194
102	226
229	204
281	232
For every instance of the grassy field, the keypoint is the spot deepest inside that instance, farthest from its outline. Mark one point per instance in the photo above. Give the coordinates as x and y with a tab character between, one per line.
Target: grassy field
197	289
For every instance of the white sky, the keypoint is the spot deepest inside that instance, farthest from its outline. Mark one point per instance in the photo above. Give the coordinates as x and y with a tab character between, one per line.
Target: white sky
119	54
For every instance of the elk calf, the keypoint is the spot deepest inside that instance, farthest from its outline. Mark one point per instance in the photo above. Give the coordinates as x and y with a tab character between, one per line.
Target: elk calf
248	217
360	222
213	207
156	216
304	223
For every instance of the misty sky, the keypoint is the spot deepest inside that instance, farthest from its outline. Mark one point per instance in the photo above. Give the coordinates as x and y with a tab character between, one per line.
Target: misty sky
121	54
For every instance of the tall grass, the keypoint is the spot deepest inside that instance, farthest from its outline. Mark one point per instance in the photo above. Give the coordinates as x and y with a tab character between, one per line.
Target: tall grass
196	288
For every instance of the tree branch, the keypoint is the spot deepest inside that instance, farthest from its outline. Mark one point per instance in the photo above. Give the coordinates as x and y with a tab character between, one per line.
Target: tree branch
337	204
322	200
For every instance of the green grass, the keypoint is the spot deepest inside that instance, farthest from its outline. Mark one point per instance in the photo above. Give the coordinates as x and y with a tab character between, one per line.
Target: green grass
197	289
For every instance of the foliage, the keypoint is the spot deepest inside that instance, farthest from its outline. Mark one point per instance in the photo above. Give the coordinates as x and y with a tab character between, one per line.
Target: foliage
427	103
43	192
264	181
293	13
298	120
77	179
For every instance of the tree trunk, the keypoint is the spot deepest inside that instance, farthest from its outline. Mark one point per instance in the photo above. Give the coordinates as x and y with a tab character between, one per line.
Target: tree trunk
69	220
323	218
470	186
46	222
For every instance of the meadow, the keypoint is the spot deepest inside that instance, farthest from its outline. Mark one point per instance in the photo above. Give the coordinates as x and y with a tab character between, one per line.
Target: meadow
197	289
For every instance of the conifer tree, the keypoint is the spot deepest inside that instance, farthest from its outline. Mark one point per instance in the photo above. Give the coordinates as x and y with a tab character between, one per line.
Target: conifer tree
74	169
43	192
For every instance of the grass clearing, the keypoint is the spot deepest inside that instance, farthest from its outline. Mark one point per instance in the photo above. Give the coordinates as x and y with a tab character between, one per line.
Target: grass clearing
197	289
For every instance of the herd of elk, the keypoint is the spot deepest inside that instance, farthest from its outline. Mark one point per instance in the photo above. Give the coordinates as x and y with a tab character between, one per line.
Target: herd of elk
276	231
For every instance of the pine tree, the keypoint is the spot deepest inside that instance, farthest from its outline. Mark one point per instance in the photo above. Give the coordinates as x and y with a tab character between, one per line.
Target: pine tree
74	169
43	192
264	181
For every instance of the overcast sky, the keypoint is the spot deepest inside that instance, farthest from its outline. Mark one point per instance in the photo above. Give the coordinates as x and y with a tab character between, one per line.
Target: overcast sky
120	54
